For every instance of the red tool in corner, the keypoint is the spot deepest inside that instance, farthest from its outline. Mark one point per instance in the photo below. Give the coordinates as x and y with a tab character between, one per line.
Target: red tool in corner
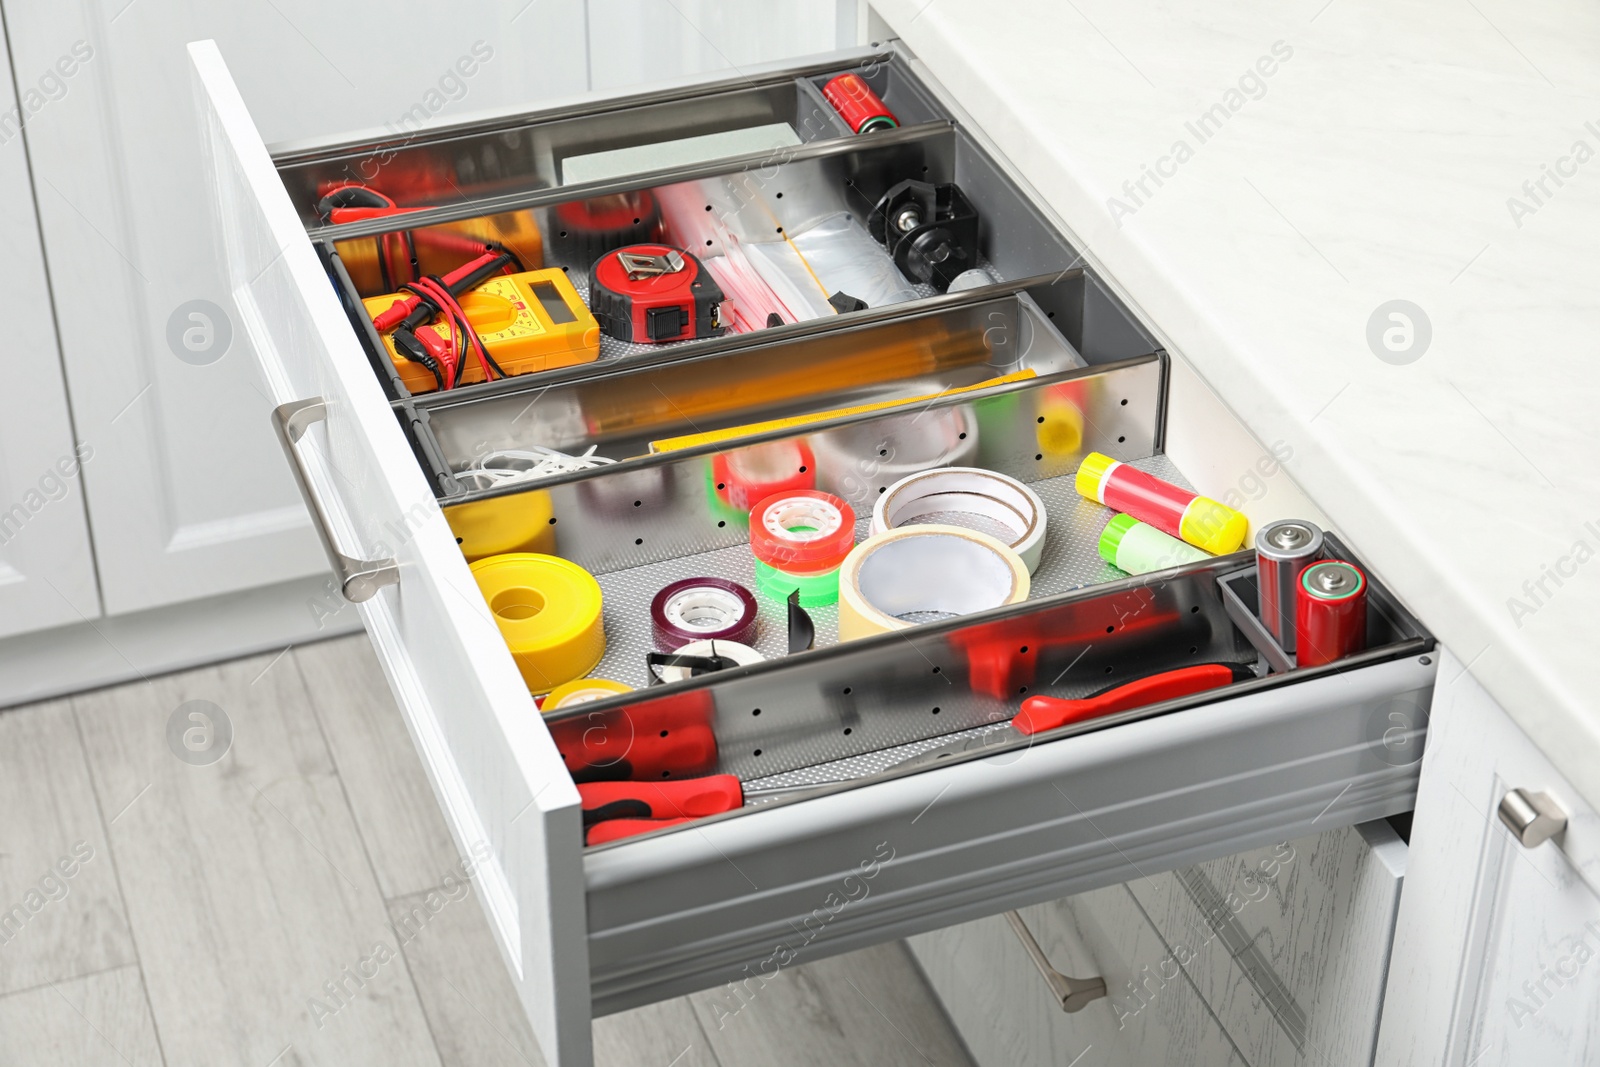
655	293
1041	713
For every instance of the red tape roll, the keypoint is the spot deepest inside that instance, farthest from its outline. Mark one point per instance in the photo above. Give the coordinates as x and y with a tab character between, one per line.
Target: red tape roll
700	609
803	532
746	476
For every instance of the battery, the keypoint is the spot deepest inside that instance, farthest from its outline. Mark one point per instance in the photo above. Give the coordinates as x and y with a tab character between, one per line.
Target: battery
1283	550
860	107
1330	615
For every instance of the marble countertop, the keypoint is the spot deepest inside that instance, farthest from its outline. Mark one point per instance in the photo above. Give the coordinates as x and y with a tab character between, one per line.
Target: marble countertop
1267	180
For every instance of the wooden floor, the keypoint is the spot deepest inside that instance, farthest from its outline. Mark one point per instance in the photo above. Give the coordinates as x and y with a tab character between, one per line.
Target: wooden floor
294	902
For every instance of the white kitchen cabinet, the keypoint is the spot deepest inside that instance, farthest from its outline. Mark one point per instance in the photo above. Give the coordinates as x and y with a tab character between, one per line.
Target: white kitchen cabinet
593	930
187	493
636	43
1495	959
46	570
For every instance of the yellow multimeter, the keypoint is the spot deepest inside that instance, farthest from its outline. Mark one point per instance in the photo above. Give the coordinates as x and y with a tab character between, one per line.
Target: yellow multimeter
528	322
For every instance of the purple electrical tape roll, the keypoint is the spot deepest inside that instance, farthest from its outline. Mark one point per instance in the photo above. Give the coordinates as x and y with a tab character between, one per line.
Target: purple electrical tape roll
699	609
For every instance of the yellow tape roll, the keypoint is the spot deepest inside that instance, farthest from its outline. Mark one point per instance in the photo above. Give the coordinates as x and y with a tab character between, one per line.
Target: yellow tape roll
548	610
581	691
946	570
519	522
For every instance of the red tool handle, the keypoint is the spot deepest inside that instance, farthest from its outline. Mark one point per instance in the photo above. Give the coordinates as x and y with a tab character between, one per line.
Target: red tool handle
616	829
688	797
397	311
1041	713
339	215
615	753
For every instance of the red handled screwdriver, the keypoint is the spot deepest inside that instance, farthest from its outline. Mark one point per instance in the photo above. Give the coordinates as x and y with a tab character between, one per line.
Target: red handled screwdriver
613	810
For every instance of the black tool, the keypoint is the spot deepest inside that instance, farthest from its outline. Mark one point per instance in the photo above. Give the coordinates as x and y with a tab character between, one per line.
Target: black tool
930	230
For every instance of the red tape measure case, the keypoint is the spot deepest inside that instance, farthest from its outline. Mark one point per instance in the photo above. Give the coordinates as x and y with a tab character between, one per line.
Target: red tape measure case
651	294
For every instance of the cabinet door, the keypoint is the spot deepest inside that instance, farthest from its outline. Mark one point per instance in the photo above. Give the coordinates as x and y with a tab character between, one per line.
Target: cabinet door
46	570
187	491
1495	960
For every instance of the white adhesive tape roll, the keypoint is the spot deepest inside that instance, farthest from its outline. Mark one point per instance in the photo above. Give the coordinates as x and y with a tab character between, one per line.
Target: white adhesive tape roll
860	461
969	491
740	654
925	570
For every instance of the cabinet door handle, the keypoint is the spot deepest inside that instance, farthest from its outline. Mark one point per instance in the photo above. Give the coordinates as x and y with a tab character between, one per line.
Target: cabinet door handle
1073	993
359	579
1532	818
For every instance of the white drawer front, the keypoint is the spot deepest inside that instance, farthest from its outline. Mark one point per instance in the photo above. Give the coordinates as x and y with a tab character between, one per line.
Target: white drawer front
1007	1017
1288	944
508	799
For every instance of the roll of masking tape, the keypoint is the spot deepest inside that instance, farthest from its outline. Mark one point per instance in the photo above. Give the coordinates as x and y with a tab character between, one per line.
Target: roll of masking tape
996	497
548	611
581	691
892	578
741	655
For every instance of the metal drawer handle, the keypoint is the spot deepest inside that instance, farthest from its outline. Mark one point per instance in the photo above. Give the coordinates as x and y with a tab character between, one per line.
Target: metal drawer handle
1532	818
359	579
1073	993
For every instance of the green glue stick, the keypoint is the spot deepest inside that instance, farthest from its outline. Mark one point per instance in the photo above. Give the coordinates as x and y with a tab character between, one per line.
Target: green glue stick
1139	548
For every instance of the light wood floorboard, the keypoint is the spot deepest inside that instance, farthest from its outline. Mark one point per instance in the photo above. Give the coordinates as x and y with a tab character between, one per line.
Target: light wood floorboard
60	911
388	789
97	1020
225	896
247	885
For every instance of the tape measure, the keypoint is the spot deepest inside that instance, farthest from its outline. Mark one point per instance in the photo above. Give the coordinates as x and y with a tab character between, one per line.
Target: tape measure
654	293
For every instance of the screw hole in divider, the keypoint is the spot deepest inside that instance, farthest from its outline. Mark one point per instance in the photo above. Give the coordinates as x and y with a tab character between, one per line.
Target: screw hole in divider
638	540
936	711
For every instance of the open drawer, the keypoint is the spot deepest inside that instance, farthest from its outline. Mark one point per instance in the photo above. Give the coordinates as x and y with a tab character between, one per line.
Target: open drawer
888	851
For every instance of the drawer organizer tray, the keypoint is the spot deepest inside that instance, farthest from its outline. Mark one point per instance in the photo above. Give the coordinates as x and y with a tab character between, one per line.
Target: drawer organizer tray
746	202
